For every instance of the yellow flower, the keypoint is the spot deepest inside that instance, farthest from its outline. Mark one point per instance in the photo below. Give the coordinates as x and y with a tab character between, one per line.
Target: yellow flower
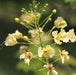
29	18
56	36
71	35
27	57
60	23
64	36
64	55
51	69
61	36
17	34
48	51
10	40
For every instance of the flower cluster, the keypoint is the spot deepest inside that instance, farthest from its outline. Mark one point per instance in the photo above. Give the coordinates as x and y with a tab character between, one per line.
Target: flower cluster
50	68
47	51
27	57
41	39
11	40
63	36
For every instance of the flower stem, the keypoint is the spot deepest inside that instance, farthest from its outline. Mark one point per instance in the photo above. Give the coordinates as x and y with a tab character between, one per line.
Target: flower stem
42	60
51	30
39	33
44	24
34	3
40	39
41	69
56	60
46	19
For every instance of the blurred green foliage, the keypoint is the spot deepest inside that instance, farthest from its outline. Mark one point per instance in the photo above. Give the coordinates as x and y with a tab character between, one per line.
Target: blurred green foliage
67	1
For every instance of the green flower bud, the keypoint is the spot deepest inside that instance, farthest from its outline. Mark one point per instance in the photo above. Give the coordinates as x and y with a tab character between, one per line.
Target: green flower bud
54	11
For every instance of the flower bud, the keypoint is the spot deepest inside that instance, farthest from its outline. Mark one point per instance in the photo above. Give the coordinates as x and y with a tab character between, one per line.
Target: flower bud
23	48
23	10
60	43
54	11
25	38
17	20
46	4
49	19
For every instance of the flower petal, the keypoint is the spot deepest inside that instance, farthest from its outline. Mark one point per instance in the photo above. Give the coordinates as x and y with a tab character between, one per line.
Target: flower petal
27	61
40	52
54	72
62	59
22	56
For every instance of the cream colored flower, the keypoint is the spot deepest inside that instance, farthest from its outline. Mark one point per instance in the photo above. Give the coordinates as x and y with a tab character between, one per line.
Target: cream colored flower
51	69
29	18
60	23
17	34
35	32
71	35
27	57
10	40
64	55
57	37
64	36
61	36
48	51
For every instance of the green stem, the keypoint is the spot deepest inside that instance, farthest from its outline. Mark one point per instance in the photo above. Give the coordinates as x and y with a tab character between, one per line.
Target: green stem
28	27
41	69
33	43
30	43
40	39
41	60
36	56
44	24
34	3
46	19
47	59
55	60
39	32
21	43
51	30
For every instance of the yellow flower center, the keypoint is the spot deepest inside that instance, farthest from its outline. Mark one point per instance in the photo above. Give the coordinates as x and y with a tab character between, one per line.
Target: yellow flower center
64	54
45	51
28	56
50	69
